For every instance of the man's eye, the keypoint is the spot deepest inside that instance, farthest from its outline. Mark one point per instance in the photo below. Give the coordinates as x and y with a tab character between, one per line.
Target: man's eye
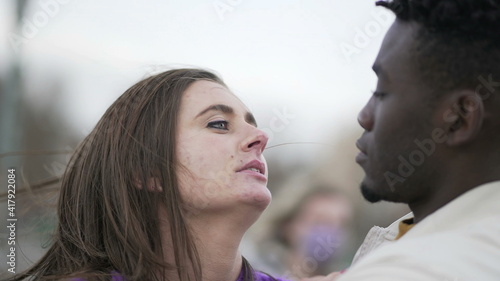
379	94
221	125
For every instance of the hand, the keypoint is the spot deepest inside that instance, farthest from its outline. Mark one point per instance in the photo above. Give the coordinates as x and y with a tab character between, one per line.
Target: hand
330	277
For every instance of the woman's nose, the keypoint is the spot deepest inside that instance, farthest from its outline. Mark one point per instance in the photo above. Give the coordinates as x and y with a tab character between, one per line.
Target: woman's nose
256	141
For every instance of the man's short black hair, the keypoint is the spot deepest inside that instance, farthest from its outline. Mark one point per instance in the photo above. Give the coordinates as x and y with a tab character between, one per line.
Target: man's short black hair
458	41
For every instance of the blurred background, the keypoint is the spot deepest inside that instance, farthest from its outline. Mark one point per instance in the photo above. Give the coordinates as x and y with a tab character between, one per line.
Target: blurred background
302	67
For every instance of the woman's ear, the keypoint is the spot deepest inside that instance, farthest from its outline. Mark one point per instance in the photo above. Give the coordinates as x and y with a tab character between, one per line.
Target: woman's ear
463	117
152	184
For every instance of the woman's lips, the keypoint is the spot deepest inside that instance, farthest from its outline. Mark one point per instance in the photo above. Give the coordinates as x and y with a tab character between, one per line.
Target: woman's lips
254	174
254	168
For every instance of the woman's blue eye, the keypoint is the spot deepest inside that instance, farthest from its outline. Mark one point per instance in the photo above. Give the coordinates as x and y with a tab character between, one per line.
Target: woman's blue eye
221	125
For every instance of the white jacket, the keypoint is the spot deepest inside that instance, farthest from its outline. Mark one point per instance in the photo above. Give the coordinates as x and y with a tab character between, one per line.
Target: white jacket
458	242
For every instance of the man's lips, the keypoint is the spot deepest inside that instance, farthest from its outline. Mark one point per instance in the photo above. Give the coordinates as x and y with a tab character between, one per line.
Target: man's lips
362	152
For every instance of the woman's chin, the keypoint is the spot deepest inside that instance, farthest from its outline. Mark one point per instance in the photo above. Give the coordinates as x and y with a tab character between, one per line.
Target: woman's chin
259	197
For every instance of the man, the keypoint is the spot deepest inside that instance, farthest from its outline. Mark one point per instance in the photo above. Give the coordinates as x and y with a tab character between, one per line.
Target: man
432	141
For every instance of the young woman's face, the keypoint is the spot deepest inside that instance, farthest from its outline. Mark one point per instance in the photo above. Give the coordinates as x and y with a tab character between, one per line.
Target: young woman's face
219	149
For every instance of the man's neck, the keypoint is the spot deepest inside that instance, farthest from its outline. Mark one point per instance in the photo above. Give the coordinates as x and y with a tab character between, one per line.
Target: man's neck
444	194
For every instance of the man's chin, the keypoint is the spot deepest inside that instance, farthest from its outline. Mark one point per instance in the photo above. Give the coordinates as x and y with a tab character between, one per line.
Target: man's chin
369	194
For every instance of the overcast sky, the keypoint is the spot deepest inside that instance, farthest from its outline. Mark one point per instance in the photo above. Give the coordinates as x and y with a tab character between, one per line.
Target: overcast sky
306	64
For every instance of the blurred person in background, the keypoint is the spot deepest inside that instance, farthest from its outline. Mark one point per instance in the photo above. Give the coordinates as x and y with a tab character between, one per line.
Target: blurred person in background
163	188
431	140
316	233
309	231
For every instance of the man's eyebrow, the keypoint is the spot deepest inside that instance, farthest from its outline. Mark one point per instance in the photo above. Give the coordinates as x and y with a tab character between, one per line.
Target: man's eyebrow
217	107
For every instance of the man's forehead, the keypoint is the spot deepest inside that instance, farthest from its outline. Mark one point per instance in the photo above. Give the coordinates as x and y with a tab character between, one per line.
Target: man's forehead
396	48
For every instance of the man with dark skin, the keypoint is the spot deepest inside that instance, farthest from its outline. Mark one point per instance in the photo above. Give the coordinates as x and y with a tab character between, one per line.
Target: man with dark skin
432	141
404	111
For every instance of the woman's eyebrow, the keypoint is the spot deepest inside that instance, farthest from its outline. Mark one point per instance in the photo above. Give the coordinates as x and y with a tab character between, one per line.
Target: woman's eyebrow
250	119
217	107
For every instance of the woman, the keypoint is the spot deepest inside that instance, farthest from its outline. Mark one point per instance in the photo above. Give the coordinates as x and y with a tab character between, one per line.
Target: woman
163	188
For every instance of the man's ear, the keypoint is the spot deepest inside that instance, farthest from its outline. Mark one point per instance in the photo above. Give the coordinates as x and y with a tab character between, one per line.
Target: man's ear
463	116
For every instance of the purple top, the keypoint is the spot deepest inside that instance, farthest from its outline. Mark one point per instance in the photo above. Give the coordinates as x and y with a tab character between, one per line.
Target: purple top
258	276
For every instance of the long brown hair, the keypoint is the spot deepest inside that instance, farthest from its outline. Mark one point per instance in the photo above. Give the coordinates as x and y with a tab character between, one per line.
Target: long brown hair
108	224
